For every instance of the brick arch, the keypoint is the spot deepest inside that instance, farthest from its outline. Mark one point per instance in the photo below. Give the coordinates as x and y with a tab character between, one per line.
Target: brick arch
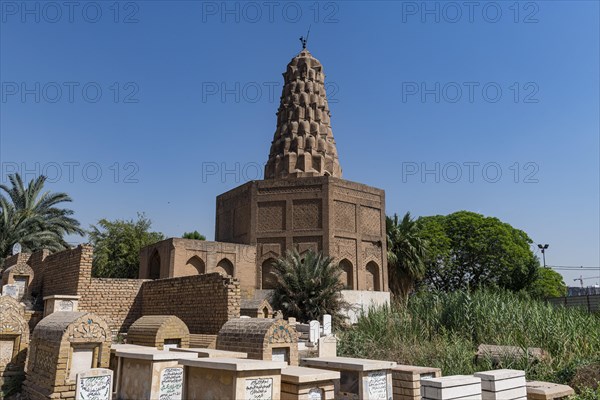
154	265
267	273
225	267
347	274
194	266
373	276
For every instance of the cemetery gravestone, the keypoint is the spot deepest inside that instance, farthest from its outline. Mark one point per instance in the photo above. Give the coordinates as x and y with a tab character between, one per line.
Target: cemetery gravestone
260	388
377	385
171	384
95	384
10	290
327	327
314	331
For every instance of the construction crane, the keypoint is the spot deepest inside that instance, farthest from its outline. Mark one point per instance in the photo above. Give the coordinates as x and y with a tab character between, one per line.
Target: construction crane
581	279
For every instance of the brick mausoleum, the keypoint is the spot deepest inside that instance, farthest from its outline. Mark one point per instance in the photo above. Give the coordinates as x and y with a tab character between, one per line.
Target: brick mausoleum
303	204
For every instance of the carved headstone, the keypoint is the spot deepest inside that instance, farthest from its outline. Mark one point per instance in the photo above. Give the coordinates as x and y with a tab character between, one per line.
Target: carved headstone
259	388
327	324
171	384
11	290
94	384
314	331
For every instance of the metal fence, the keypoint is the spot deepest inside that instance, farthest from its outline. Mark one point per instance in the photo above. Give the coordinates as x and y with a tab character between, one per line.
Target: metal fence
590	303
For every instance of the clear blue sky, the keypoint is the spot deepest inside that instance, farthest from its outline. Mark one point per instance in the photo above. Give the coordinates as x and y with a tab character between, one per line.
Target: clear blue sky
164	122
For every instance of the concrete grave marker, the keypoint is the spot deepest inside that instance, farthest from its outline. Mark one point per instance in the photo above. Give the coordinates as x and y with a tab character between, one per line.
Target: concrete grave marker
377	385
259	388
314	331
65	305
171	384
10	290
327	324
315	394
94	384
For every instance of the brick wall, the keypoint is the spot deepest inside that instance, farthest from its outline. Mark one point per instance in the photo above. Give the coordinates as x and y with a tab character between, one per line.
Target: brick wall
61	271
203	302
117	301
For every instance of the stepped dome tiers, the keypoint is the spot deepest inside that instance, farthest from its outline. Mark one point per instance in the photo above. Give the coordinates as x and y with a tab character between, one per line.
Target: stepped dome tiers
303	144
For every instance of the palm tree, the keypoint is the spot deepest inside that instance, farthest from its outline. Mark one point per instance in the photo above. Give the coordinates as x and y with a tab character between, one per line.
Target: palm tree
307	286
406	254
32	218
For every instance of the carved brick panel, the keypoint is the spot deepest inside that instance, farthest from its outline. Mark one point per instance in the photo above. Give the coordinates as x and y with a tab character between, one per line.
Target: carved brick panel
271	216
307	214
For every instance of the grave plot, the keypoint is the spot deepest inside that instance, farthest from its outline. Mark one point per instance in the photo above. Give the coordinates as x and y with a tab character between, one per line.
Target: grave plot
503	384
14	340
146	373
232	378
359	378
537	390
451	387
212	353
261	338
60	303
407	380
62	345
160	331
301	383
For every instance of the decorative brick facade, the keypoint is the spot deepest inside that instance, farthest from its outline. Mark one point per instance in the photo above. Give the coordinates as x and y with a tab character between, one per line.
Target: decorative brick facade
14	340
344	219
63	344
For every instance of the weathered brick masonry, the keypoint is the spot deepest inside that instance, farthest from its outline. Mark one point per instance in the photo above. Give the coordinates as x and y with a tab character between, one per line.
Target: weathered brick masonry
203	302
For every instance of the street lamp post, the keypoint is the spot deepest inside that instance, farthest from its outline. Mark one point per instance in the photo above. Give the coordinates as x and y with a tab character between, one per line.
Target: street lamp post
543	249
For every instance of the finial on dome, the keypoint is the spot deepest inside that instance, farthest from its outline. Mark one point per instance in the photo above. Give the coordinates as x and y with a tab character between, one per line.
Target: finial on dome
304	40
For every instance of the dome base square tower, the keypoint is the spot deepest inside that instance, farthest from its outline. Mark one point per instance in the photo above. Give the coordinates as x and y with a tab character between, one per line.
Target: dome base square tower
303	203
344	219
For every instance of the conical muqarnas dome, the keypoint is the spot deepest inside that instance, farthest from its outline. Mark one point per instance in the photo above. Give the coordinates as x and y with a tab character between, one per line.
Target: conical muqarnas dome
303	143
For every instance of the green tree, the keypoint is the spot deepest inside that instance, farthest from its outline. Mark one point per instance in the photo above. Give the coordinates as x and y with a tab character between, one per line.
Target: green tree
406	250
469	250
548	283
193	235
31	217
307	286
117	246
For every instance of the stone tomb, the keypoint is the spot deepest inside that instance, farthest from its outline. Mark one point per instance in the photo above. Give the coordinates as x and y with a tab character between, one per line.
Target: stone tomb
451	387
14	340
503	384
359	378
149	374
62	345
301	383
60	303
537	390
232	378
95	384
160	331
261	338
212	353
406	380
21	275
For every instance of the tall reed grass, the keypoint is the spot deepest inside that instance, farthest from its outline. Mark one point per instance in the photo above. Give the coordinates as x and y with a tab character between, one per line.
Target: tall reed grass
444	330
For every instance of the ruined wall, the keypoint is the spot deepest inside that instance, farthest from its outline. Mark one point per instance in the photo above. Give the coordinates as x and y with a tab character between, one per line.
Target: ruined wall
203	302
